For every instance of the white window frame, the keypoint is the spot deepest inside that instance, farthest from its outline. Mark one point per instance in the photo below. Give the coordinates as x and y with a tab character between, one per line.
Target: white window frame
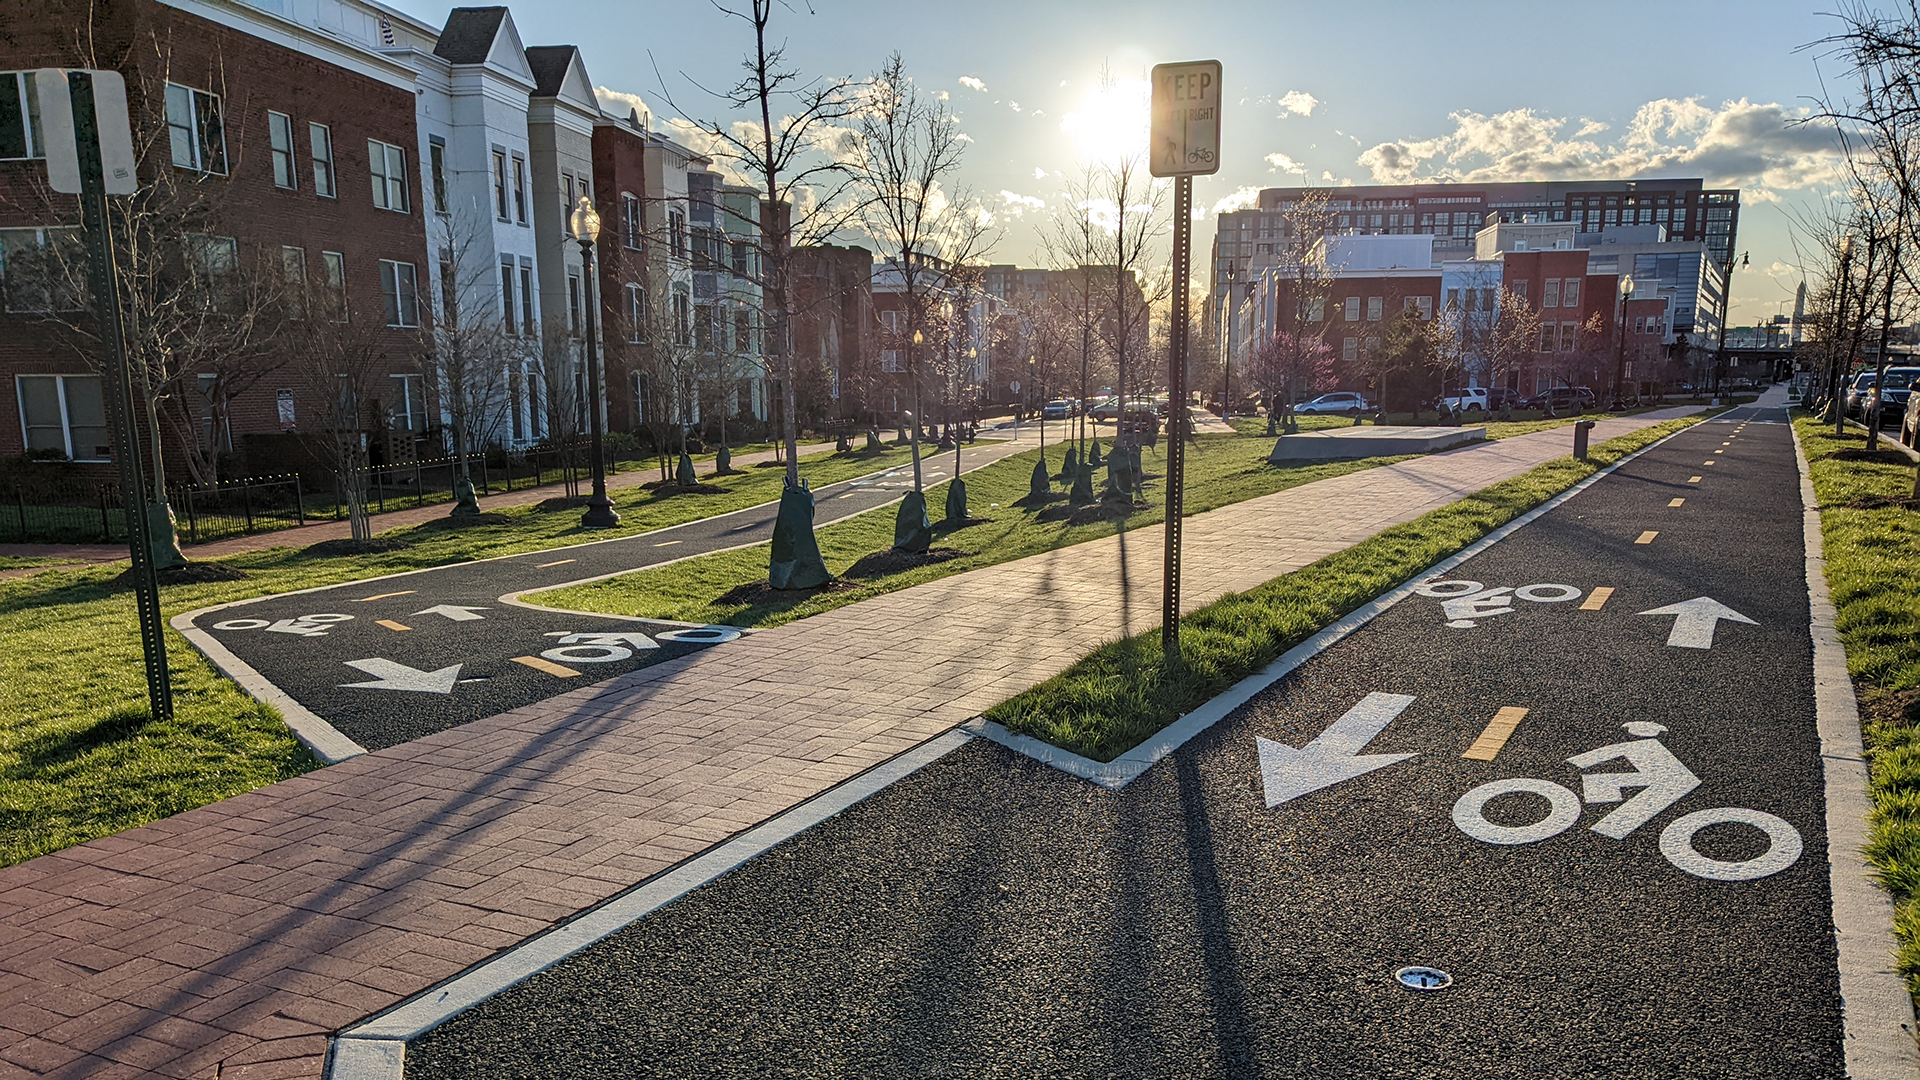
195	132
57	299
66	413
507	312
326	182
396	299
387	166
412	392
286	175
636	313
437	183
19	86
500	184
334	265
1570	293
519	189
1352	306
633	225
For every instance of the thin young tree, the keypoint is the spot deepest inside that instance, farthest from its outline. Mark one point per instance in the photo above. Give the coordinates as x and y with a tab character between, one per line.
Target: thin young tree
472	350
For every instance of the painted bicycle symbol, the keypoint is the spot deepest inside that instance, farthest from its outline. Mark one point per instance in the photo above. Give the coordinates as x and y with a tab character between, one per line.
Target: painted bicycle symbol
1662	780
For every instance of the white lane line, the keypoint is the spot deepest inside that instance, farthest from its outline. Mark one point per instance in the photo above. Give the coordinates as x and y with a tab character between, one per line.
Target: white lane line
376	1050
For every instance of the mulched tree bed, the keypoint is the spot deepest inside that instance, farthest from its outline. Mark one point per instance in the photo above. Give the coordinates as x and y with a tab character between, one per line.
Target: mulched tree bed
328	549
882	563
1878	457
193	573
1040	500
451	522
758	593
1089	513
664	488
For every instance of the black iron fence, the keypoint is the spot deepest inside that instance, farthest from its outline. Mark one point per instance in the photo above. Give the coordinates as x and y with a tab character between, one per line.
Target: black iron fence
70	510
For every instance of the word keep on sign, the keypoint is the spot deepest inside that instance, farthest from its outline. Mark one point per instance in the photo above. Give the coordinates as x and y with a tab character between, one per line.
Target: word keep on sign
1186	119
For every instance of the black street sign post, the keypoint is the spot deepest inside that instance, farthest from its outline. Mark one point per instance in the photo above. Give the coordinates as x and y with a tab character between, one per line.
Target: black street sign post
1185	142
100	159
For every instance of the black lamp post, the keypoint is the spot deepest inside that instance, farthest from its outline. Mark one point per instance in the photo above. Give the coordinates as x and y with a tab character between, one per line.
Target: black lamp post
600	513
1842	357
1620	355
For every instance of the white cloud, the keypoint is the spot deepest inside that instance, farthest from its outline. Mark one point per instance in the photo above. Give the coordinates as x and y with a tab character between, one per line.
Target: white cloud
1285	164
615	102
1018	204
1039	173
1326	177
1298	102
1741	144
972	83
1240	200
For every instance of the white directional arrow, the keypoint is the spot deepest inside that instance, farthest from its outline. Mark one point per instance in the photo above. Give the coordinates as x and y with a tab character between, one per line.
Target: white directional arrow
1693	627
1335	755
391	676
454	611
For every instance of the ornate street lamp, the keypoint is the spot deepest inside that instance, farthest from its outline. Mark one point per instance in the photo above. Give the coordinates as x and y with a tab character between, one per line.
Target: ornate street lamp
1620	356
600	513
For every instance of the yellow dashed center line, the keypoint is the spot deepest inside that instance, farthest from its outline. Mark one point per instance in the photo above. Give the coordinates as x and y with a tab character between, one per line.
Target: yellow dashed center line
1598	598
548	666
1693	479
1498	731
384	595
1719	451
558	562
391	625
1647	537
667	543
1706	463
1675	502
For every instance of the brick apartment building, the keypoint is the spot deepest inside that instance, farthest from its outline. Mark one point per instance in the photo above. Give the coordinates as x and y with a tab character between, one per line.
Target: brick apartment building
282	150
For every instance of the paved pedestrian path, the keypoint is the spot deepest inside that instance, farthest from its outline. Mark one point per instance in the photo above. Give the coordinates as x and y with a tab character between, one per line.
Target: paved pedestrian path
233	939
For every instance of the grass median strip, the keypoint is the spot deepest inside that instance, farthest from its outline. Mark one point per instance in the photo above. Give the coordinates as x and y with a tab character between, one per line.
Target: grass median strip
79	757
727	587
1123	692
1870	527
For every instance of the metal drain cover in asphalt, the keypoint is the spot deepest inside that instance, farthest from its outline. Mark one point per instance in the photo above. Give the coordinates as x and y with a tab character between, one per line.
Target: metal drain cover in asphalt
1423	978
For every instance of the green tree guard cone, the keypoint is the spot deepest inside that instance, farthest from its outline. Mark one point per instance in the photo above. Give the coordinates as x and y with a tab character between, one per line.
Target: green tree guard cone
1093	455
1082	484
1272	427
465	504
687	478
957	502
1042	485
873	442
912	529
1071	467
723	460
841	445
163	537
796	561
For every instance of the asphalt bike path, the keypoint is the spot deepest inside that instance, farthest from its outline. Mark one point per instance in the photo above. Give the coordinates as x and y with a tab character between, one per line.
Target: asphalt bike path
395	658
1579	779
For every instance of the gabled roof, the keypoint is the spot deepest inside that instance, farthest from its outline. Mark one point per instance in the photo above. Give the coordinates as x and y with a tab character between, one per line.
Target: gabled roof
469	33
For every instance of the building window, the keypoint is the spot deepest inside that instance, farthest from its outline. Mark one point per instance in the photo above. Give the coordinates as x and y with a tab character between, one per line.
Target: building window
1546	337
320	147
890	361
336	267
409	404
566	203
677	233
527	325
214	262
1375	308
506	296
449	289
1570	293
573	303
293	265
65	414
742	331
194	129
519	189
397	285
437	162
741	265
19	116
280	141
631	224
636	314
1550	294
389	169
1421	304
1353	309
1350	349
500	184
1566	336
1639	324
32	274
1317	310
683	317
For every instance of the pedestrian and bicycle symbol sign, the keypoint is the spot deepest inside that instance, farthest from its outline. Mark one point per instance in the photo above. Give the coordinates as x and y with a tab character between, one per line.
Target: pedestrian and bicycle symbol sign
1466	604
1658	779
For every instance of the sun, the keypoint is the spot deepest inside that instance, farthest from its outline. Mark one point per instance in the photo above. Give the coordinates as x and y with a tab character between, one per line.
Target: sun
1111	123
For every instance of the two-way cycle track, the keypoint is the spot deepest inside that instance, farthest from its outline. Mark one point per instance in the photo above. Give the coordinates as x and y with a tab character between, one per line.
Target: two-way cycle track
1560	812
378	662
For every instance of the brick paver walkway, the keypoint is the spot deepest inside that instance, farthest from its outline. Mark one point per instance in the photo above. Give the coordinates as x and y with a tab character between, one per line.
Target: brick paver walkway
235	938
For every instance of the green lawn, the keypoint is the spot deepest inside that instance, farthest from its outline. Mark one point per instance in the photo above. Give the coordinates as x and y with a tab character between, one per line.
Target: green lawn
1125	691
78	758
1872	540
1221	469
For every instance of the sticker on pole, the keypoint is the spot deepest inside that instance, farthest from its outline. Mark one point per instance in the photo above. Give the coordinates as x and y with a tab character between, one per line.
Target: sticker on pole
1186	119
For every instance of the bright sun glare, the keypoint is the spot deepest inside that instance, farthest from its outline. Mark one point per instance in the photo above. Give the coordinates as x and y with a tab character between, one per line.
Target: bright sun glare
1111	122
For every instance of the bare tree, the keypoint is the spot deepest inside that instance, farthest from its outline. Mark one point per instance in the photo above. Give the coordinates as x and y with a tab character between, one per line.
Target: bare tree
471	350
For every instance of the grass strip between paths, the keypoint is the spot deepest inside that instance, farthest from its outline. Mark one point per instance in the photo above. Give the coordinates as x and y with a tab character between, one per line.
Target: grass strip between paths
1120	694
1870	528
81	758
727	586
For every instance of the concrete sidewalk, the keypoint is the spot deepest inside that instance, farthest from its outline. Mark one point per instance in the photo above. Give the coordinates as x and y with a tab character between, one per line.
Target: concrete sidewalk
235	938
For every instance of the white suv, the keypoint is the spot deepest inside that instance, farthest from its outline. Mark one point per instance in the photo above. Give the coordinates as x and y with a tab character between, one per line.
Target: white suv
1474	397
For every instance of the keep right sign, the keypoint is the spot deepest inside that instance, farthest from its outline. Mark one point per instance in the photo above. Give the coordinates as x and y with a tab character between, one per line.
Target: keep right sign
1186	119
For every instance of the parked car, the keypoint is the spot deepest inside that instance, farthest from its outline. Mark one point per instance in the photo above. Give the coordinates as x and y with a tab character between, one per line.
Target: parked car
1893	397
1856	391
1142	425
1105	409
1060	409
1910	422
1342	403
1501	397
1473	397
1562	399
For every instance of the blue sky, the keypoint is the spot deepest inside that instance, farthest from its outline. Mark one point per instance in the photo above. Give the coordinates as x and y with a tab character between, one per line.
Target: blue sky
1359	91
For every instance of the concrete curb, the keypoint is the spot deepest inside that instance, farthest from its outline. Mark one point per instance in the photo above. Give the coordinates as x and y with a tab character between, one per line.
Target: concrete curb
326	742
376	1048
1124	769
1875	1006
